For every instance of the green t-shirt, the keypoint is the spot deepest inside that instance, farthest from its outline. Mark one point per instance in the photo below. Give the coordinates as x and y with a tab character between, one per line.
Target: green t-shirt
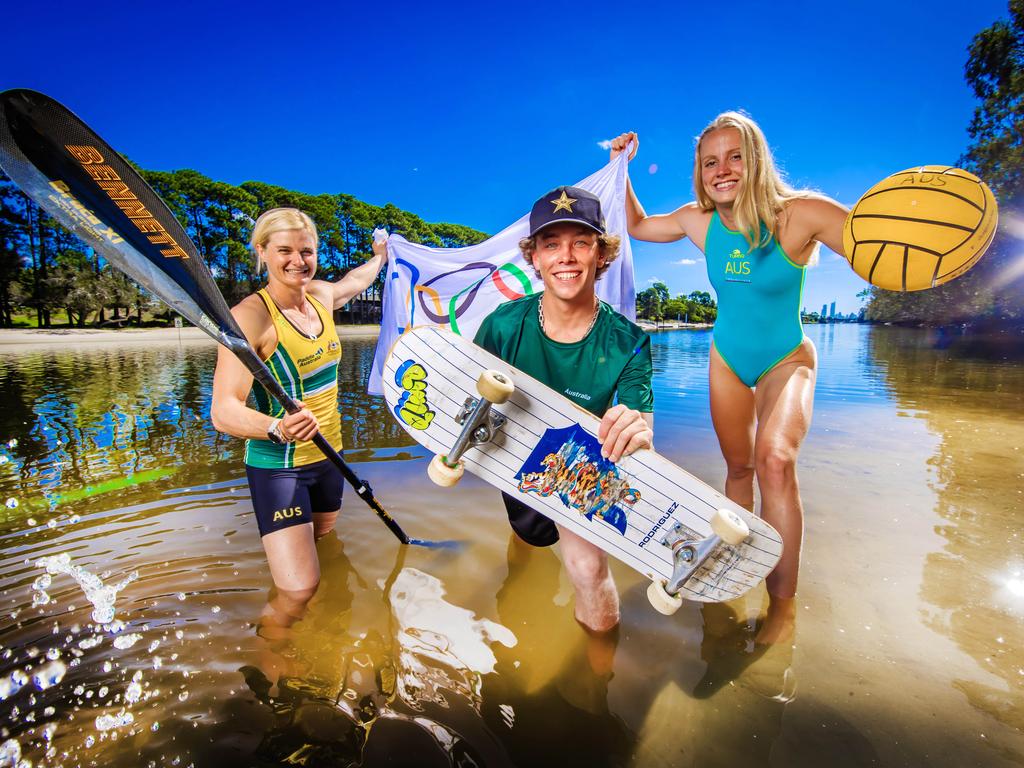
613	359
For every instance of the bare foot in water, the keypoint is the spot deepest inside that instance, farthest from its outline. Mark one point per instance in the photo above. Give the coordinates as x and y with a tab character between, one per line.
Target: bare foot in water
780	622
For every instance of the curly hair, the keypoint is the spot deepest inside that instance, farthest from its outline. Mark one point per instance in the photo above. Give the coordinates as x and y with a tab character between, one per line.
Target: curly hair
610	246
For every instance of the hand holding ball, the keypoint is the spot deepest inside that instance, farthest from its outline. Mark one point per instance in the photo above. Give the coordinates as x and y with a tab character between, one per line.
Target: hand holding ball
920	228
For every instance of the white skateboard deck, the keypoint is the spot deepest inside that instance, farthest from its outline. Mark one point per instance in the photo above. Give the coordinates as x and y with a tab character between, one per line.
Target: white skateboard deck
547	455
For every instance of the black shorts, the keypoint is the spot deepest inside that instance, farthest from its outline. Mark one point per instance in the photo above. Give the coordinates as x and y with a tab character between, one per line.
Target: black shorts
282	498
529	524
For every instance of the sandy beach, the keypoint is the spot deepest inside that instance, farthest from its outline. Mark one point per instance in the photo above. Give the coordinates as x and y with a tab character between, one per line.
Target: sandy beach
12	339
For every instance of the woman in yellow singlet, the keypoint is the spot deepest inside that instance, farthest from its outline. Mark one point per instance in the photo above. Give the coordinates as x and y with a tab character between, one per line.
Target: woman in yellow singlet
296	492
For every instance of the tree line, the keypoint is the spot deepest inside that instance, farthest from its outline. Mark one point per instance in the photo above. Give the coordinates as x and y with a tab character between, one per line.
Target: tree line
47	272
656	304
992	292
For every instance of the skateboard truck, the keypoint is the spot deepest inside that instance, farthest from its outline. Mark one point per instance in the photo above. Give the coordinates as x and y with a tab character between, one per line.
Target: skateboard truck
689	554
480	415
479	423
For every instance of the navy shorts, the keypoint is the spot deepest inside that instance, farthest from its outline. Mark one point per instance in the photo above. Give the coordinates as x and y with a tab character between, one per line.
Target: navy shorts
282	498
529	524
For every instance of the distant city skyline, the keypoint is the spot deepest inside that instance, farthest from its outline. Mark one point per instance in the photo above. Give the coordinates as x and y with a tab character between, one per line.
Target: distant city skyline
467	113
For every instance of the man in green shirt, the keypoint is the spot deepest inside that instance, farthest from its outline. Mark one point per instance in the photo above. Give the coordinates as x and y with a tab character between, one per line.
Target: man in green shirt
582	348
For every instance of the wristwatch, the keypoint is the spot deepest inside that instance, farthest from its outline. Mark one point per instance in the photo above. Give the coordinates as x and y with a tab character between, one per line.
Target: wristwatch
274	433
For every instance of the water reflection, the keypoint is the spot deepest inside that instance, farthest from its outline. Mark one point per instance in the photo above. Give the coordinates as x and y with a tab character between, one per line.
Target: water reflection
83	423
554	681
909	632
976	408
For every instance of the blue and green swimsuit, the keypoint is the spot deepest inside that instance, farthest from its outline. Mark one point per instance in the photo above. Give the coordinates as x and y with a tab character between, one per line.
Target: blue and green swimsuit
759	293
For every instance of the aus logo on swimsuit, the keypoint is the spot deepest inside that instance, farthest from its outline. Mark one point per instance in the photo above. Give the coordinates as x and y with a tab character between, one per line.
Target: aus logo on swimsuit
412	407
561	465
737	264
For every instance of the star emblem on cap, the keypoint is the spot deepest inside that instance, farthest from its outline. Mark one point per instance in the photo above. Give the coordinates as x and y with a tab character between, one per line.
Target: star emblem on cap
564	203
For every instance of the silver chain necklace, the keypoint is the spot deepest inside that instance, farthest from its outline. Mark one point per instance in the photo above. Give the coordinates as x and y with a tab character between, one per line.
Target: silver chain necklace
309	323
307	332
593	320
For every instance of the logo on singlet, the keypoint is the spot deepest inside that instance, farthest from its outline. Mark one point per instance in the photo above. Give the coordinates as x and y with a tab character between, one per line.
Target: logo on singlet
310	358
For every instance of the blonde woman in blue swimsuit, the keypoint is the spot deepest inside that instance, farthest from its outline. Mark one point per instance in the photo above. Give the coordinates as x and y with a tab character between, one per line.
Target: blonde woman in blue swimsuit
757	235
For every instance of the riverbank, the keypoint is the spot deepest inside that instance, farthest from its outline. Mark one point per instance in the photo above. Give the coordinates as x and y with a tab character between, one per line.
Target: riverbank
27	338
672	326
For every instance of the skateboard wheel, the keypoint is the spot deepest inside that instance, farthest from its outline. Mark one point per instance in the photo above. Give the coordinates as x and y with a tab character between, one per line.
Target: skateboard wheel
730	527
442	474
495	387
662	601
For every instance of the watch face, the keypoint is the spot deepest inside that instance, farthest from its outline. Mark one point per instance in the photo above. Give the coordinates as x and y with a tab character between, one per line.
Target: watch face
274	434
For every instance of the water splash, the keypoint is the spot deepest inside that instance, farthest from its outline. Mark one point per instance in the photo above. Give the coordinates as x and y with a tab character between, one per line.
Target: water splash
13	683
133	693
10	754
442	647
118	720
127	641
49	675
102	596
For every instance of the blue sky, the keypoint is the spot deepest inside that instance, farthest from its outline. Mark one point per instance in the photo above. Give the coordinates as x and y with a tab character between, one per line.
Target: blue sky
466	113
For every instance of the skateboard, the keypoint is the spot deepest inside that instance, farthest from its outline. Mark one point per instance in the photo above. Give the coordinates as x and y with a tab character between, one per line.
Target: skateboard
476	412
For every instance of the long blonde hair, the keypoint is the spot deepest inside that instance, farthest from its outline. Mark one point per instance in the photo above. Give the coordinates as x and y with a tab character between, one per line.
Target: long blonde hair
763	194
279	220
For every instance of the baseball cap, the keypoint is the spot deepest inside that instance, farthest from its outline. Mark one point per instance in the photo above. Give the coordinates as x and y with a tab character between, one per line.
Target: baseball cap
567	204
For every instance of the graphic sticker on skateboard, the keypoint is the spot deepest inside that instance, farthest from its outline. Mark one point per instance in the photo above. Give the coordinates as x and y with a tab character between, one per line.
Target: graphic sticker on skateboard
476	412
412	408
561	465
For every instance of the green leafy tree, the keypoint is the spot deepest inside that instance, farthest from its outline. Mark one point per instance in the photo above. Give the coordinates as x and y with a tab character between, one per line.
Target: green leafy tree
676	309
703	298
118	292
12	225
649	304
457	235
45	268
72	285
993	291
995	72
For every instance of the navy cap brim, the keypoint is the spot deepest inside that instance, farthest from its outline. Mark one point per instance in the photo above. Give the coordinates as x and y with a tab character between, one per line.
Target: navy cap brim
586	224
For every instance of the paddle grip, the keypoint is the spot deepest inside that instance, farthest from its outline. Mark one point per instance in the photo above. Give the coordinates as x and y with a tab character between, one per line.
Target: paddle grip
262	374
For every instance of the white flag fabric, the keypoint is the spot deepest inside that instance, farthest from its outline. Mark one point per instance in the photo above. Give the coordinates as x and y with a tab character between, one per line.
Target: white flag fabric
458	287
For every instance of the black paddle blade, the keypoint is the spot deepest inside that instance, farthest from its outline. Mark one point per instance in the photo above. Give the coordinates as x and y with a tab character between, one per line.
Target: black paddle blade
76	177
451	544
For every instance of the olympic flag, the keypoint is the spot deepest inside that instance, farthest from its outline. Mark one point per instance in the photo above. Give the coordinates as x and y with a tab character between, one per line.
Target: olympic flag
458	287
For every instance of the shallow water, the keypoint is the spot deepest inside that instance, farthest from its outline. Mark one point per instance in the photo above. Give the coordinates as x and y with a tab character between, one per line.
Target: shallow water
908	642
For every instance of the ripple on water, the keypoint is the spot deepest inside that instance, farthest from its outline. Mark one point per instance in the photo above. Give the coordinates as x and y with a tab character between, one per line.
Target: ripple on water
916	442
